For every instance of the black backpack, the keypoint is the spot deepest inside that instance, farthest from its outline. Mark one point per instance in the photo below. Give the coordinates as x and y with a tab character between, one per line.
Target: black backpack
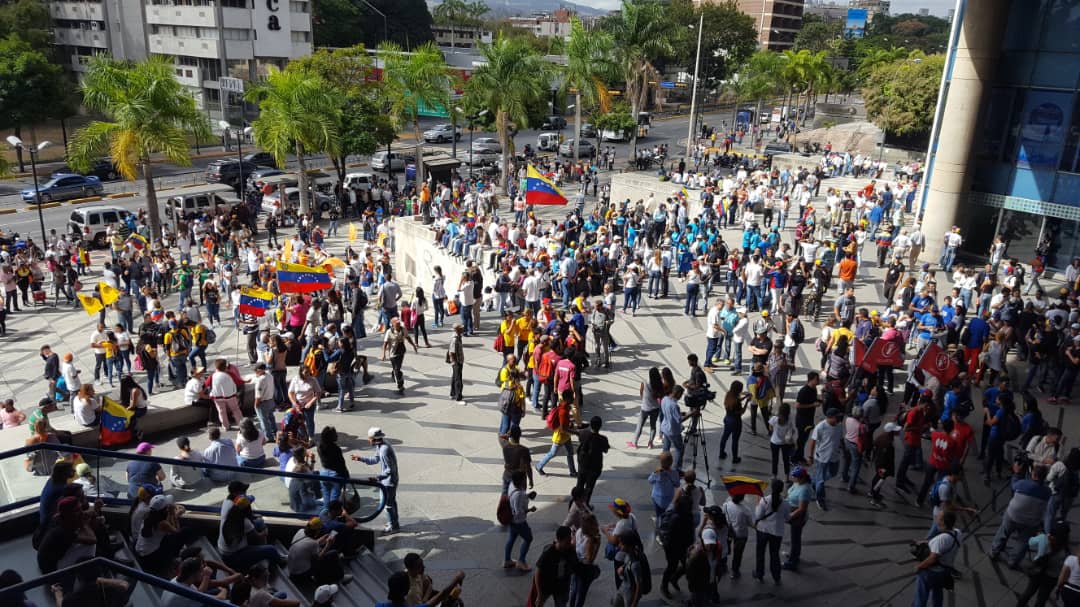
1011	428
798	333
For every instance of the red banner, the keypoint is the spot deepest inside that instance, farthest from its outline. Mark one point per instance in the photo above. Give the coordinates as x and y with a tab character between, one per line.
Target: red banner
938	363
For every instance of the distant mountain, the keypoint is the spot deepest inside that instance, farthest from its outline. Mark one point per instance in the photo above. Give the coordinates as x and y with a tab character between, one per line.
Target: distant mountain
513	8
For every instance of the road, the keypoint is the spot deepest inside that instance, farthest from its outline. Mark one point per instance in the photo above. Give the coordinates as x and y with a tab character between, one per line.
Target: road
25	221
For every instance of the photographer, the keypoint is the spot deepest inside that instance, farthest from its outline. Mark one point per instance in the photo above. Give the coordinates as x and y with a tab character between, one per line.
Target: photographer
1023	516
671	425
697	387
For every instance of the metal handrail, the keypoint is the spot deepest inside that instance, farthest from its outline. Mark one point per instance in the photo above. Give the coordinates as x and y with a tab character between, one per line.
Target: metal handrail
9	594
203	465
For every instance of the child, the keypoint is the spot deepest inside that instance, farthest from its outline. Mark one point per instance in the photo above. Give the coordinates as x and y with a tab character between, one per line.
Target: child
10	416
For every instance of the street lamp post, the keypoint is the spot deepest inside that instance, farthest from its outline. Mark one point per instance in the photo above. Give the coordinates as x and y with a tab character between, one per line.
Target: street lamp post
472	120
240	133
17	143
693	94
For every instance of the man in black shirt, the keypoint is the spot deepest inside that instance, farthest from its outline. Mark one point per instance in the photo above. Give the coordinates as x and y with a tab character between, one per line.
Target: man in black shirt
591	449
556	565
806	403
893	275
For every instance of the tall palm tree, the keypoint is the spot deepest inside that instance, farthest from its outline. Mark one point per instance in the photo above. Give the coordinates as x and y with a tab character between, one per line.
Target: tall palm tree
297	114
513	76
590	62
412	81
452	13
148	112
642	34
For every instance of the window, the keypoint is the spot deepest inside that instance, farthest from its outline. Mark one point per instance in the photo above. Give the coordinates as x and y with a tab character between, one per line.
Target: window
301	36
994	123
184	31
298	7
110	217
234	3
1070	157
211	96
233	33
209	68
207	33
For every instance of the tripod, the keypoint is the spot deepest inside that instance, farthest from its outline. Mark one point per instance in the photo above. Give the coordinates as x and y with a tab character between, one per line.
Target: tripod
694	438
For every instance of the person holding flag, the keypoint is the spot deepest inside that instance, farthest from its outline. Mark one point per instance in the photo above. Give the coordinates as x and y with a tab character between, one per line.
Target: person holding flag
541	191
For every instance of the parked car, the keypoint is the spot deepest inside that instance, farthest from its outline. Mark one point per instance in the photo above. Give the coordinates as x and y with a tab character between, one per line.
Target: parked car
777	147
102	168
441	133
187	203
481	157
397	162
608	135
263	159
553	123
585	148
547	142
90	222
360	181
487	144
258	176
588	131
64	187
292	200
228	171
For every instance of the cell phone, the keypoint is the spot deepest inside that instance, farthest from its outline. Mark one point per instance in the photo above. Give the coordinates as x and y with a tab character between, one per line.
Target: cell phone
333	534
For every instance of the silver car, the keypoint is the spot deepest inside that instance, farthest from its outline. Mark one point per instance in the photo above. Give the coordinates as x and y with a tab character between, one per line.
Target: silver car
480	157
487	144
441	133
585	148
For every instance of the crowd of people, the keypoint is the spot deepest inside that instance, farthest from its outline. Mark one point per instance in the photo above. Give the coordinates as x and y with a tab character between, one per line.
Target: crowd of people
556	280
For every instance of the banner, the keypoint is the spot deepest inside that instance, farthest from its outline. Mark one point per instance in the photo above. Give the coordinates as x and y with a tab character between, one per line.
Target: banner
109	294
938	363
116	422
91	304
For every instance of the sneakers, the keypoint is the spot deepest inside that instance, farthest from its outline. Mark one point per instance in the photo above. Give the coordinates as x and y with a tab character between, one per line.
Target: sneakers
388	529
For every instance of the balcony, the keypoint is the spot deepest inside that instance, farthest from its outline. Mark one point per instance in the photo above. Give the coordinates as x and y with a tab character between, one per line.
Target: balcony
195	16
190	47
79	37
77	11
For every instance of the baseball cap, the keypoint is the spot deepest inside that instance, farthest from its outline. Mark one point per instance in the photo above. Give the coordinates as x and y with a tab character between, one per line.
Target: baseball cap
620	505
799	472
325	593
82	469
375	432
144	448
160	502
834	412
892	427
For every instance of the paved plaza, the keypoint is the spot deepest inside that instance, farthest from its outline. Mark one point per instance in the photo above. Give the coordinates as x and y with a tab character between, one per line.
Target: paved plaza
451	463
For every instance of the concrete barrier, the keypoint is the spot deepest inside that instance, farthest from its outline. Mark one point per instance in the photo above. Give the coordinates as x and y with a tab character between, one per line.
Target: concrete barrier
85	200
44	205
416	253
122	195
638	185
8	211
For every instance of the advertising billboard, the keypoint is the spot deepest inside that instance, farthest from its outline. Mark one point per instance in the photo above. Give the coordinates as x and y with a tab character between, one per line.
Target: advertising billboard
855	26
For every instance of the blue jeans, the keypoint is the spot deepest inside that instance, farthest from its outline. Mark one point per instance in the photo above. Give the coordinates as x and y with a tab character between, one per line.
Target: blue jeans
246	558
265	413
439	305
467	318
929	585
178	364
554	451
255	462
823	471
673	443
309	418
948	257
517	530
151	380
693	291
301	500
753	297
346	382
712	347
797	527
654	283
391	507
509	420
737	365
732	430
855	457
330	490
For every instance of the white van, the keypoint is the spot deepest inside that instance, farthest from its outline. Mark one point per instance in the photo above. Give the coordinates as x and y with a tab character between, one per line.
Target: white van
90	222
359	181
190	202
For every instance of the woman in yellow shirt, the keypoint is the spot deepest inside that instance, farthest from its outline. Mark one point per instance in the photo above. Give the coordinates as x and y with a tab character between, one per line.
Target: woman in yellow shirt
524	324
508	330
560	437
112	360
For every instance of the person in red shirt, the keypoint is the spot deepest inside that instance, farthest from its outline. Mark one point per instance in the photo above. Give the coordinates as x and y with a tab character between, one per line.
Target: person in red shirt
914	423
963	436
943	452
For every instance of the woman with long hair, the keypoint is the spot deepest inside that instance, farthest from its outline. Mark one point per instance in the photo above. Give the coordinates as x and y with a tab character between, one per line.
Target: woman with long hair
419	307
333	464
240	542
134	398
651	392
734	407
587	545
782	435
250	441
770	518
438	297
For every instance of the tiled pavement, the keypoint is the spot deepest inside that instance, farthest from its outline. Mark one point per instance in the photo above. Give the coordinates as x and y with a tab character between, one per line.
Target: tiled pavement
451	466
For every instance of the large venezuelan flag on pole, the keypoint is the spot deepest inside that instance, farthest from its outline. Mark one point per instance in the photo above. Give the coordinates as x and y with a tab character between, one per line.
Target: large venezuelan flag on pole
255	301
540	190
295	278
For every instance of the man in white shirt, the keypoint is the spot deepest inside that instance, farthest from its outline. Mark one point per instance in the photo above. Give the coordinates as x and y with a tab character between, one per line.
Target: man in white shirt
221	451
933	572
223	393
264	401
823	451
97	339
714	335
531	289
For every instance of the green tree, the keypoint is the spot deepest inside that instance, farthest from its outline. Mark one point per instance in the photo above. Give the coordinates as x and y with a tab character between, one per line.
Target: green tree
730	37
148	112
30	20
642	35
30	86
618	120
363	127
411	82
817	36
336	23
342	23
901	96
512	77
590	63
297	114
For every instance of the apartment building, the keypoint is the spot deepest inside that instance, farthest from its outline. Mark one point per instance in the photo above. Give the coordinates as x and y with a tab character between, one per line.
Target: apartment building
545	25
777	21
208	40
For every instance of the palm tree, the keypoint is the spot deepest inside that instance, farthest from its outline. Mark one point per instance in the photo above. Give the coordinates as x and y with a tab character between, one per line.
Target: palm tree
297	114
149	112
642	34
412	81
513	76
590	61
451	12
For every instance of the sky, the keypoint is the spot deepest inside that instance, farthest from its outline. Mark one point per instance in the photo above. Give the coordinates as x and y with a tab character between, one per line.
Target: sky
937	7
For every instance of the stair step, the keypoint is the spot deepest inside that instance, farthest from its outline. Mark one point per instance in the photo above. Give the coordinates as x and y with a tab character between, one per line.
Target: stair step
370	574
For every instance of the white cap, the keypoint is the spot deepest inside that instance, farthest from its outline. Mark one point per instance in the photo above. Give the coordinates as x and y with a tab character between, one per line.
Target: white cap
892	427
375	432
160	502
325	593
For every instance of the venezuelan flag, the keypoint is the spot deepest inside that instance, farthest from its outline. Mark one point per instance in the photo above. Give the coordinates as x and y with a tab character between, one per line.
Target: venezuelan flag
255	301
540	190
115	423
743	485
137	241
296	278
685	193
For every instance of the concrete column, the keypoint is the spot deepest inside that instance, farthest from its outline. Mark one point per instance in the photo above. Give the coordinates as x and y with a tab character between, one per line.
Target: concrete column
974	63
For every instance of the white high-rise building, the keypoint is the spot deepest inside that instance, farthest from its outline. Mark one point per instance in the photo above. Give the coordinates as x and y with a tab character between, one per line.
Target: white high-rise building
207	39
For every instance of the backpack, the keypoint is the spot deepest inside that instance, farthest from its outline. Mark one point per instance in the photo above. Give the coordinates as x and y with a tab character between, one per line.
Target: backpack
503	513
1011	428
935	493
362	298
552	420
179	343
645	582
664	525
211	336
546	367
798	333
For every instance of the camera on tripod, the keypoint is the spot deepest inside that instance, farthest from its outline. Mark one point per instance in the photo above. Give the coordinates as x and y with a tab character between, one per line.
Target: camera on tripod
699	398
